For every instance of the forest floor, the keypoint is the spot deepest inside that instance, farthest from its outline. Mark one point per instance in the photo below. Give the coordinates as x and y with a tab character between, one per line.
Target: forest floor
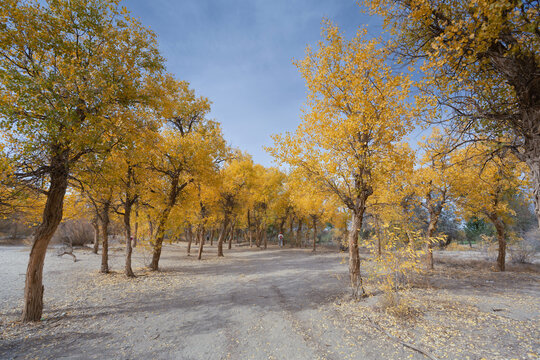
274	304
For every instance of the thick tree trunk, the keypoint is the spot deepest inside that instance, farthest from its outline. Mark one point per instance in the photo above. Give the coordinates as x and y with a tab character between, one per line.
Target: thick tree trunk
501	237
222	235
299	234
201	242
160	231
104	221
354	256
533	161
52	215
95	225
127	228
314	218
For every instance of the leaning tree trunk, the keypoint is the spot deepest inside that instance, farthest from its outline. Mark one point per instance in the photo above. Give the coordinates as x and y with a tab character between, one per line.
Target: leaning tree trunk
127	227
95	225
222	235
354	256
314	232
501	238
52	215
104	221
160	231
200	236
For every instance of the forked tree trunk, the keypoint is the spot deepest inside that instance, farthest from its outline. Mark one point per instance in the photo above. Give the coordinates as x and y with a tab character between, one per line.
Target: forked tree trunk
299	234
52	215
104	221
95	225
201	242
127	228
222	235
354	256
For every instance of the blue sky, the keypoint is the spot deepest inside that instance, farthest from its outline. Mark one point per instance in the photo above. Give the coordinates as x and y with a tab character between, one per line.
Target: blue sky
239	54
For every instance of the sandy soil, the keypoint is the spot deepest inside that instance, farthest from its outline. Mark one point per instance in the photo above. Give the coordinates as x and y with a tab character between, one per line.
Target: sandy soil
273	304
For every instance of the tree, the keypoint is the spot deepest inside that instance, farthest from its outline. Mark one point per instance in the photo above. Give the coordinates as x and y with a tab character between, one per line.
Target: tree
488	187
434	182
481	62
356	115
191	147
65	67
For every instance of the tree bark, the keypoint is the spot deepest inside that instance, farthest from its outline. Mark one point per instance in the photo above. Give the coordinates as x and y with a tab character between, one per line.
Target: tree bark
104	221
314	218
95	225
201	241
299	233
533	161
265	238
354	256
189	235
160	231
222	235
127	228
231	235
432	226
52	215
136	228
501	238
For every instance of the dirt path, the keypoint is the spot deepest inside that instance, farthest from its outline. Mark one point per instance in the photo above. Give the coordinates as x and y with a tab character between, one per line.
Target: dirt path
252	304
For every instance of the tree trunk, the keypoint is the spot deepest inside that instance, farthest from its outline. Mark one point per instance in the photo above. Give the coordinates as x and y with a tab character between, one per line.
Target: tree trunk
222	235
501	237
432	226
299	234
189	235
354	256
533	161
160	231
291	231
104	220
231	235
95	225
265	238
314	232
127	228
201	241
52	215
136	228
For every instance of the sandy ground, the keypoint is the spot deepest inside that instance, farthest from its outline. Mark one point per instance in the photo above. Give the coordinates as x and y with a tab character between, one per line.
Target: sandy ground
273	304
